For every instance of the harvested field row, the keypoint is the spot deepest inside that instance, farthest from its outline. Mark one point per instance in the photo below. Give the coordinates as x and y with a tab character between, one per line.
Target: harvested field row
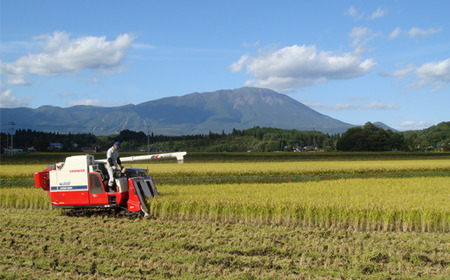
269	178
45	244
262	179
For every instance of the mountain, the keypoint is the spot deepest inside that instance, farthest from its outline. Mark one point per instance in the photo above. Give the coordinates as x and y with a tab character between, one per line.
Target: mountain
195	113
384	126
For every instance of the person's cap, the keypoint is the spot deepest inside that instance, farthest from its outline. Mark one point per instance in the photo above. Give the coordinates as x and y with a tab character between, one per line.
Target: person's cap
117	144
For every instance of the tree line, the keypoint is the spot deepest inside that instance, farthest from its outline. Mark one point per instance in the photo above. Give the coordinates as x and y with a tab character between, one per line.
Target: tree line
257	139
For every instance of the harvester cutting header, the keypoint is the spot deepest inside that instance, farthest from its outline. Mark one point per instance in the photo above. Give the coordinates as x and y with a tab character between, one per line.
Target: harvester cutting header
83	182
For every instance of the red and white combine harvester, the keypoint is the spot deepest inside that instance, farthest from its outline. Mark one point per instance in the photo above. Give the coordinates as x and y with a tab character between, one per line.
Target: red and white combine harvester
82	182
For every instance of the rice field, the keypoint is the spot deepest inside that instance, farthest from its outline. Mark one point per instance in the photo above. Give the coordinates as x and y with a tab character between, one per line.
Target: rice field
408	204
372	219
44	244
24	198
299	167
20	170
259	168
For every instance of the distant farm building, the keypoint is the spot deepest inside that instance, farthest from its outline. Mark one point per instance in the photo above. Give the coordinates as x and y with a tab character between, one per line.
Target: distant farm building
55	146
89	149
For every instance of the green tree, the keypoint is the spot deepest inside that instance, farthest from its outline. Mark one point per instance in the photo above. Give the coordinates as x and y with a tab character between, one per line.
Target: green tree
370	138
42	143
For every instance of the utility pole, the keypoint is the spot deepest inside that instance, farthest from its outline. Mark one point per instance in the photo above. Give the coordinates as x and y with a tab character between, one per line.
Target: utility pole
7	140
314	140
12	124
148	139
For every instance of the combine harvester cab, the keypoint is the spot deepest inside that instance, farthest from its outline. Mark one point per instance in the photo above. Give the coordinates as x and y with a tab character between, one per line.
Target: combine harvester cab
82	182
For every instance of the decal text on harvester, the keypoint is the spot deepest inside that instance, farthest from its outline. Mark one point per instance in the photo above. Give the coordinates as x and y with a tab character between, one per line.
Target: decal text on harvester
77	170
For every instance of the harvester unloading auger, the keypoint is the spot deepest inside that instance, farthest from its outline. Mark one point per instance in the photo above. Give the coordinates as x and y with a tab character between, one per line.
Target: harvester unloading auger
81	182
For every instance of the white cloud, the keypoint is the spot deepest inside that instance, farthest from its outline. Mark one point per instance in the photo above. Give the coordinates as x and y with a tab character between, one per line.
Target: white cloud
354	13
358	33
377	106
94	80
249	45
300	66
87	102
351	11
61	55
358	98
143	46
416	32
436	74
7	100
395	33
67	94
399	73
238	65
14	75
361	36
97	102
413	125
348	106
378	13
439	71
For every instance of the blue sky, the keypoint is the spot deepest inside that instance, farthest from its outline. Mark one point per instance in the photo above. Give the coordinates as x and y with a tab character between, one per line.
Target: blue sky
355	61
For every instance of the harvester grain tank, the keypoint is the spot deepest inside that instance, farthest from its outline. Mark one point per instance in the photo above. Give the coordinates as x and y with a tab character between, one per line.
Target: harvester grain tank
81	182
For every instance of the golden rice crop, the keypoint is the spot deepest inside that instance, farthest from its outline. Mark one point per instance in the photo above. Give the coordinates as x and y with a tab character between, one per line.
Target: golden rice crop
408	204
419	203
259	168
32	198
20	171
299	167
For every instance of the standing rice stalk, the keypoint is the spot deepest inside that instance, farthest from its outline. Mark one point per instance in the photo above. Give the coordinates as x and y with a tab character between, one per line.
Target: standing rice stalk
407	204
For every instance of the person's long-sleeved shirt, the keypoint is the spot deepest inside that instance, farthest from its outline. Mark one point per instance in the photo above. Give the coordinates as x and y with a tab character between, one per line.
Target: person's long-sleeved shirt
112	156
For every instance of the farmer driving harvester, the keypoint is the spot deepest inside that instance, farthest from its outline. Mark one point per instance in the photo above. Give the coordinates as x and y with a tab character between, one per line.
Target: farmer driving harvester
112	157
